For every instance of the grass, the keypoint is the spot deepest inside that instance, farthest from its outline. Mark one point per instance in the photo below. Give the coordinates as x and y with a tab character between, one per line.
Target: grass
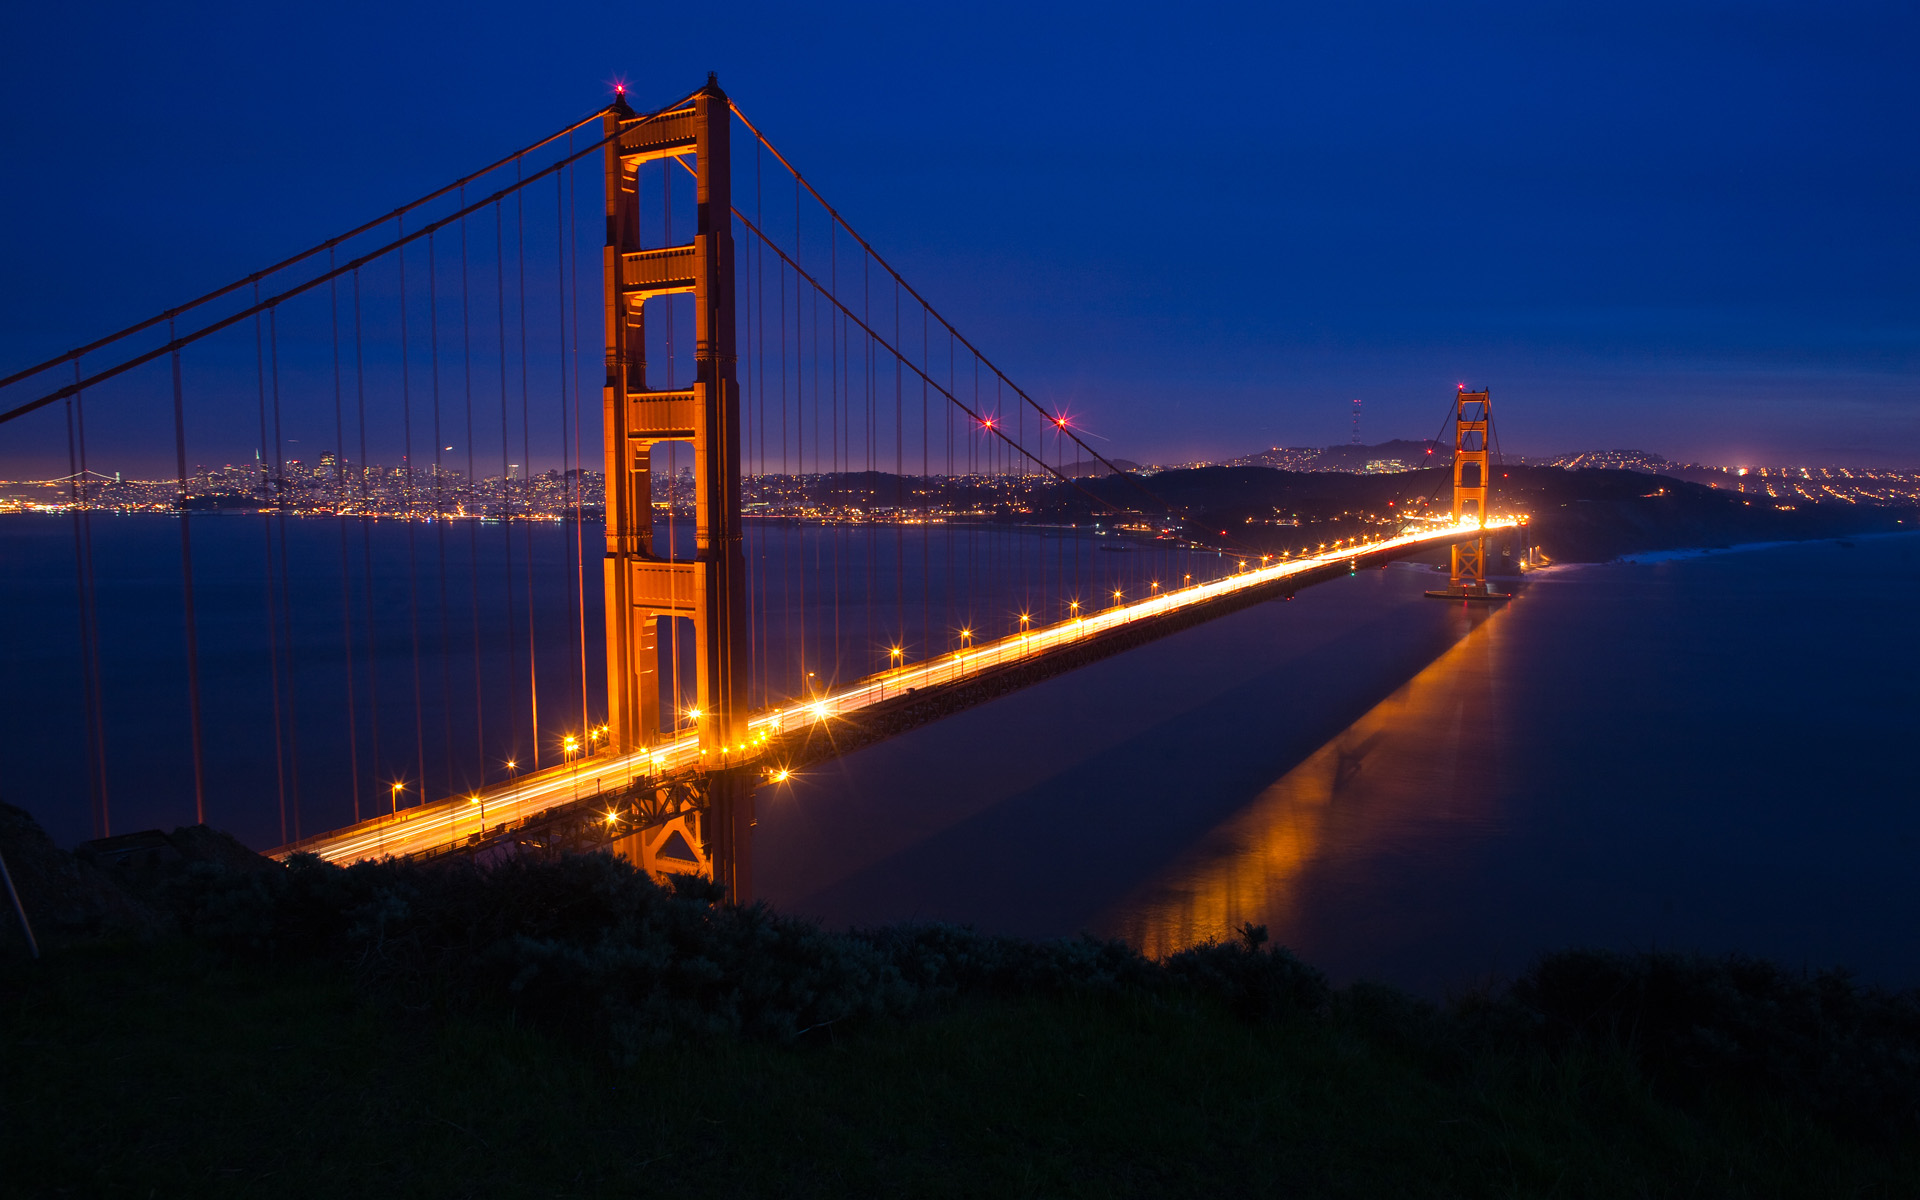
169	1070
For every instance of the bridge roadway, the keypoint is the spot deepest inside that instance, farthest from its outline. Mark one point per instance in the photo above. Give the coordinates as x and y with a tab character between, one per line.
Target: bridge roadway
442	824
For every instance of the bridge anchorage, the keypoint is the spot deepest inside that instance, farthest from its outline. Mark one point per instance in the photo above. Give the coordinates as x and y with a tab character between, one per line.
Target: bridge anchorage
1472	429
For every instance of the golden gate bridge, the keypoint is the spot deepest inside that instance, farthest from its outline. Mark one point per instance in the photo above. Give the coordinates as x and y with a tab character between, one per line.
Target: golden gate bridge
756	611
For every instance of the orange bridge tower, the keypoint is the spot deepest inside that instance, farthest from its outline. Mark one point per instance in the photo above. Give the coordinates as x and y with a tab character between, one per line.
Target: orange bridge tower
645	582
1472	429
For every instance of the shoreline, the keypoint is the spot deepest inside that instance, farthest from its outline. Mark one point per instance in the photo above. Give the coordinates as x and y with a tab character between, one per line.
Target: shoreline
1689	553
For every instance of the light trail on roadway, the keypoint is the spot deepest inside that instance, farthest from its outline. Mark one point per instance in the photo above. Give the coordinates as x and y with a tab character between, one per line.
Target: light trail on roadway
442	824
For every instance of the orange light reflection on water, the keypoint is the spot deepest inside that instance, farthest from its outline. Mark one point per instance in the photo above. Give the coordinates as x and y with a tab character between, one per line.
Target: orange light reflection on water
1416	761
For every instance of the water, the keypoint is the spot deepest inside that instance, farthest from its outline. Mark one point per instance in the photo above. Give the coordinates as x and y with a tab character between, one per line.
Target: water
1705	754
403	652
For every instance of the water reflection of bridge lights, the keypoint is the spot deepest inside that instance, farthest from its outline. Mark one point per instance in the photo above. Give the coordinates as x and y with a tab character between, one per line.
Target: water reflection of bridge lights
429	825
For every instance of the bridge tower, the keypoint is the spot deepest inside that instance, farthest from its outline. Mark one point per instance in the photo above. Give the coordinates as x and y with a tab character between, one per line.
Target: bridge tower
646	582
1472	414
1472	427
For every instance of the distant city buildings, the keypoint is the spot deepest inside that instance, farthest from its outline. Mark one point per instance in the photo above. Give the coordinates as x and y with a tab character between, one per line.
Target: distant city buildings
1786	486
328	488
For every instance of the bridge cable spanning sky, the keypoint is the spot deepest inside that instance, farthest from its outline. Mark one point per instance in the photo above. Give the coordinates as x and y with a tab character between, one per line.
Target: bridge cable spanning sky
391	626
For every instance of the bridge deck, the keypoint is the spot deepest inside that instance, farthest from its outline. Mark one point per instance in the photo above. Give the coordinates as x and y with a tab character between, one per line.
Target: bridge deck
445	823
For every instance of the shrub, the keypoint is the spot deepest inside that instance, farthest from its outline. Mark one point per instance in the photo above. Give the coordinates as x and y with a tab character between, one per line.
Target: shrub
1851	1053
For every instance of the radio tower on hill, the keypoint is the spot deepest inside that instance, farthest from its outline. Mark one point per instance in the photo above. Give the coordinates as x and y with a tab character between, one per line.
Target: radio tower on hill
1356	420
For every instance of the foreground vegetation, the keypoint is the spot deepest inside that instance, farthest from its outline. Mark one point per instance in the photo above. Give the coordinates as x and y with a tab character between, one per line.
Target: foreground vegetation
571	1029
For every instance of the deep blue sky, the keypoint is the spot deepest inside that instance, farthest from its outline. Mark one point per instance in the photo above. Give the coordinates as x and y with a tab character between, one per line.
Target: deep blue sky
1689	228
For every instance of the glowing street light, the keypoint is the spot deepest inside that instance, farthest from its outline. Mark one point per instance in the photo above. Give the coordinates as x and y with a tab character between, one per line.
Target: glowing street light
397	789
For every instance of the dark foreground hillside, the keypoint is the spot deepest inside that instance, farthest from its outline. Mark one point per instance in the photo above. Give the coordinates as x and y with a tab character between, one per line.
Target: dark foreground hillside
571	1029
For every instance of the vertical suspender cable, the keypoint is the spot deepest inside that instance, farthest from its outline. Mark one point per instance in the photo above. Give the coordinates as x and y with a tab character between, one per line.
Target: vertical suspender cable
506	478
952	592
266	524
786	542
366	545
526	475
796	532
567	529
474	509
346	572
673	459
579	464
413	558
756	308
89	678
92	610
286	586
833	428
440	508
899	483
926	487
186	591
868	448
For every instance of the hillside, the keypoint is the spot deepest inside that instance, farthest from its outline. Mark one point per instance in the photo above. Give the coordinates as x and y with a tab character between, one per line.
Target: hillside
1577	516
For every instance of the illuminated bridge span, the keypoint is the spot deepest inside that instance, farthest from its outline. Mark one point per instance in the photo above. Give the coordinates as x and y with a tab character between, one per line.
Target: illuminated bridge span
599	790
823	515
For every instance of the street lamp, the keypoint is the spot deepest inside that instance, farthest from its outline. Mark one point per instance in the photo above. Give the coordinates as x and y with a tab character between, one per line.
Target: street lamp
397	789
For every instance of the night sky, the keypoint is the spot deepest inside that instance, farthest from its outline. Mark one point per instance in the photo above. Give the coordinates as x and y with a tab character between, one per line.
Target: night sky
1685	228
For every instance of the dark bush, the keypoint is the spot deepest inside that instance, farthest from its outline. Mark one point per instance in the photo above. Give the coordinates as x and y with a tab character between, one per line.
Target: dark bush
594	948
1849	1052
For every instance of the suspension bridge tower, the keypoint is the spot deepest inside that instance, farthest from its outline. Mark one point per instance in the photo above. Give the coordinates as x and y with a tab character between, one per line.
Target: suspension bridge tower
1472	427
644	581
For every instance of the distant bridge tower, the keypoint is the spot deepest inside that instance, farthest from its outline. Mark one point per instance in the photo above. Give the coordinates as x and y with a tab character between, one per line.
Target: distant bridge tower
1472	427
645	582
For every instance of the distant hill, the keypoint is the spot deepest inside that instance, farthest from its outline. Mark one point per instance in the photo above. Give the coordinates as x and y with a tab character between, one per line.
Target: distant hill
1579	515
1378	459
1095	469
